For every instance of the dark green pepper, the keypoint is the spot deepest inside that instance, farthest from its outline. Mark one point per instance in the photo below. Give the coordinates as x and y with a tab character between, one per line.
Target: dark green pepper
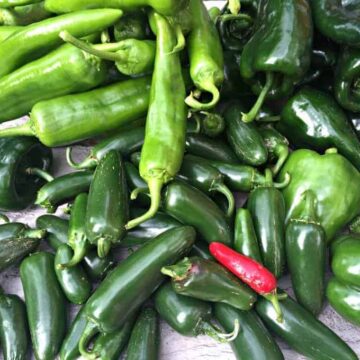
207	280
107	207
313	119
253	341
192	207
132	282
306	255
303	332
144	339
13	329
279	25
201	249
45	304
133	25
211	124
267	208
96	267
63	188
18	186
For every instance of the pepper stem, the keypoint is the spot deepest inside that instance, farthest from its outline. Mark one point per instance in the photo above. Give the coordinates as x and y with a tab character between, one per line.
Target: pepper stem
234	6
223	189
230	17
210	87
179	270
79	254
135	193
40	173
103	247
88	333
214	332
251	115
21	130
308	213
197	120
273	298
283	153
88	163
180	40
284	183
155	186
4	219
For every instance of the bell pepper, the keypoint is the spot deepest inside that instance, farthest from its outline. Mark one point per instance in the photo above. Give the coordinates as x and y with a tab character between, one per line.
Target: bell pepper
279	25
326	175
313	119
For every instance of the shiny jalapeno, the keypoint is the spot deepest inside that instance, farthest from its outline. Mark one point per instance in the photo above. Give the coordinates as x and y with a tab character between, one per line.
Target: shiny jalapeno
107	207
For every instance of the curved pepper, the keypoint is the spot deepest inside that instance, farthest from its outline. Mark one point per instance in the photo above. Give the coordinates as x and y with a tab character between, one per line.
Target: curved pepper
206	280
165	131
306	255
279	25
313	119
326	175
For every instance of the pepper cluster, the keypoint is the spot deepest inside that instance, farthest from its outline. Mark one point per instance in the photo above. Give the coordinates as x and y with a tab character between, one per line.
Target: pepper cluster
225	155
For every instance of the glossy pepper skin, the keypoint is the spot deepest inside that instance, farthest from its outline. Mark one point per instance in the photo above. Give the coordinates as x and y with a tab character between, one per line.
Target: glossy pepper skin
144	340
165	7
45	304
312	118
306	255
16	242
11	3
132	282
337	21
345	299
14	330
81	116
38	38
303	332
96	267
254	341
346	82
17	187
63	188
205	56
280	48
206	280
267	208
6	31
165	131
192	207
107	207
341	179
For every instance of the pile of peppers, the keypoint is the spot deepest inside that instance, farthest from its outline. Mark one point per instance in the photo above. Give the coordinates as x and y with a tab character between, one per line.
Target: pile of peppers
223	154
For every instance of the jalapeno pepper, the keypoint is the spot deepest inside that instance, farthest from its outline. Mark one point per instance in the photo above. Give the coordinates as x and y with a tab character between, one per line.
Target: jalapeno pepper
14	329
38	38
306	255
164	144
107	207
201	249
206	280
45	304
132	282
144	339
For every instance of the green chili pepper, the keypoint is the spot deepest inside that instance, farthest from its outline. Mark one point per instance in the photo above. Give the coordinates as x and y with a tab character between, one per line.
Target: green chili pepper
13	330
132	282
16	242
144	340
313	119
279	25
164	144
125	142
38	38
18	186
345	299
303	332
192	207
107	207
165	7
205	147
12	3
245	239
63	188
24	15
76	117
6	31
244	138
207	280
73	281
45	304
306	255
254	341
133	25
206	58
96	267
267	207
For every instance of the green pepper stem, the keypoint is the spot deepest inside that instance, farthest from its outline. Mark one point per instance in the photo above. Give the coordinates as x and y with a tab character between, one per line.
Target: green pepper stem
234	6
88	333
155	186
223	189
21	130
40	173
79	254
34	233
308	213
197	120
179	270
284	183
135	193
214	332
282	153
4	219
210	87
251	115
230	17
103	247
273	298
327	151
87	163
180	40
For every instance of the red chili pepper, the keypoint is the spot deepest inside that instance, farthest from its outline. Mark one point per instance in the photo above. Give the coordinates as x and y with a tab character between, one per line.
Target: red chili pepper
252	273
